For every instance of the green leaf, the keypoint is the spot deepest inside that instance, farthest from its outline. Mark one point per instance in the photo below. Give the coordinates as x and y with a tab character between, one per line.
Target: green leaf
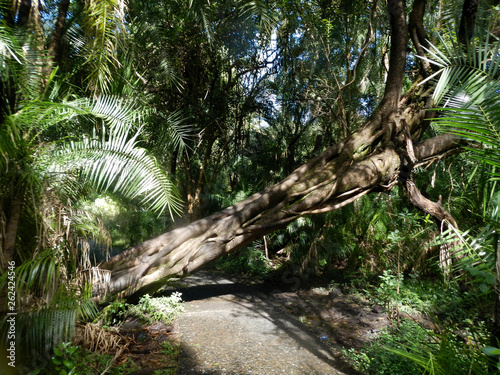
491	351
484	288
56	361
114	162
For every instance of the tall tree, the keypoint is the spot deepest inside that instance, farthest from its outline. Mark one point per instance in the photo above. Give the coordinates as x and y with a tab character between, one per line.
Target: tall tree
381	152
199	69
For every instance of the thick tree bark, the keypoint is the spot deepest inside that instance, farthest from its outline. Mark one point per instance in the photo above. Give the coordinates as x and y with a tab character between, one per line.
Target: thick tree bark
332	180
55	46
370	159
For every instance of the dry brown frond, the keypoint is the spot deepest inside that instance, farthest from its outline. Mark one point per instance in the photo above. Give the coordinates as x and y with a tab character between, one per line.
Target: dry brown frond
97	339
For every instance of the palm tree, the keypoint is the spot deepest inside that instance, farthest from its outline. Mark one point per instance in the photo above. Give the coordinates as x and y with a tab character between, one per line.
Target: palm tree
467	85
55	147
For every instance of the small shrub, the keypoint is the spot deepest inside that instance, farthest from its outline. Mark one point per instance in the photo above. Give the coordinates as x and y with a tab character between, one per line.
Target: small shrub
165	309
170	349
90	363
374	358
64	359
411	349
249	261
113	313
449	352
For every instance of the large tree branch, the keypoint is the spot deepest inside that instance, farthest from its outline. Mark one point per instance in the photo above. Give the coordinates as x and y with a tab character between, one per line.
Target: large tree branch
437	146
435	209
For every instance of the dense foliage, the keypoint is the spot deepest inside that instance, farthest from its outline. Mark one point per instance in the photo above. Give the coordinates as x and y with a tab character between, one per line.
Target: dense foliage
121	119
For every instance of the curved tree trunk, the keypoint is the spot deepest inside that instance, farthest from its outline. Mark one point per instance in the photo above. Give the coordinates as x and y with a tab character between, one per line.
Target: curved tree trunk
332	180
370	159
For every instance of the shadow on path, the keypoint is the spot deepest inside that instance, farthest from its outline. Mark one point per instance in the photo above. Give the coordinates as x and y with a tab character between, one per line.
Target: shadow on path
235	328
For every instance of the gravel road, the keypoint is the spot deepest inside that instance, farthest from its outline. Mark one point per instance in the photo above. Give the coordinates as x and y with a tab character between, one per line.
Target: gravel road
232	328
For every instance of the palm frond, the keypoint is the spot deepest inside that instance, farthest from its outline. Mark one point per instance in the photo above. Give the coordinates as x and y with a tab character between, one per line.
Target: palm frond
38	116
465	70
48	301
10	136
468	90
104	28
45	329
21	63
117	112
9	48
175	134
260	9
200	10
450	12
473	254
167	73
479	124
38	276
115	163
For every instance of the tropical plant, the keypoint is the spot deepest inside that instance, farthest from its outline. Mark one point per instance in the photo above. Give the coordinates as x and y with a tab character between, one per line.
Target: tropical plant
410	348
64	359
468	85
374	358
444	353
105	33
111	162
164	309
204	74
55	148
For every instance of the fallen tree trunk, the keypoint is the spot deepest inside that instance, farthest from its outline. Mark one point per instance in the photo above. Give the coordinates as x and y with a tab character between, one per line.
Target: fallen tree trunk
373	158
332	180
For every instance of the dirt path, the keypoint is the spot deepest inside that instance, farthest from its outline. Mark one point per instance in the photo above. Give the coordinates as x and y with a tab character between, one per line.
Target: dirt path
232	328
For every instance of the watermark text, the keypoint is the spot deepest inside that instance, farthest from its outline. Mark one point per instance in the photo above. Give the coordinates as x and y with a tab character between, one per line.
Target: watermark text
11	314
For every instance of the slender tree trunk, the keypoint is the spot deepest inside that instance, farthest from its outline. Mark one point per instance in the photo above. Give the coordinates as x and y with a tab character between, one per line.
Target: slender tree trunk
55	46
194	202
23	12
468	20
11	228
418	35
